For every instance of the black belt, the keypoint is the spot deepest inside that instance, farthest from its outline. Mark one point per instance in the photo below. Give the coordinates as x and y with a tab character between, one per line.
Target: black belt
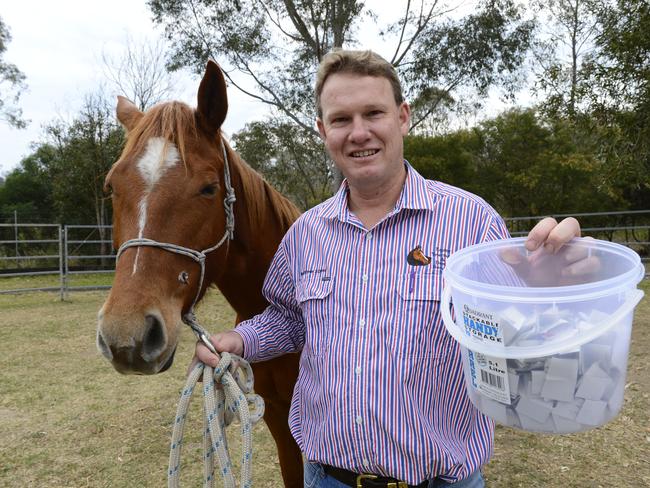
357	480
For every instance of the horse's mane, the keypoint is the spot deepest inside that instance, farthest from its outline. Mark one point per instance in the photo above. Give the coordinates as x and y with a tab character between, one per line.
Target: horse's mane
176	122
255	187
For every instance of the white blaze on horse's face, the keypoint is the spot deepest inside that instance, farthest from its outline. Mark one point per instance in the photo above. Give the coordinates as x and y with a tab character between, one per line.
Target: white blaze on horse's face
159	156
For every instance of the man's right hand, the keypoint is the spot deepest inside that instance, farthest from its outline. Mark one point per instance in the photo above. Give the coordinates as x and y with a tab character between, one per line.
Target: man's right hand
229	341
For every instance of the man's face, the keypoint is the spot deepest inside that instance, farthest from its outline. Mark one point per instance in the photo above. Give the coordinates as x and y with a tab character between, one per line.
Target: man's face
363	128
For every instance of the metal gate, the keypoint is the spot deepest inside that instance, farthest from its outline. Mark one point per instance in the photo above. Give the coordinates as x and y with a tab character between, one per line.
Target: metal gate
72	251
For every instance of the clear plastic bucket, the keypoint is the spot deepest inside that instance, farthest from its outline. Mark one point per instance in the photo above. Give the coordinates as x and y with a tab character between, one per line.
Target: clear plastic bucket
543	350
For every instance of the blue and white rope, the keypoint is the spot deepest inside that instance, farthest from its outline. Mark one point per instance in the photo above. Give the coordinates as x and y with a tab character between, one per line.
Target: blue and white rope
227	395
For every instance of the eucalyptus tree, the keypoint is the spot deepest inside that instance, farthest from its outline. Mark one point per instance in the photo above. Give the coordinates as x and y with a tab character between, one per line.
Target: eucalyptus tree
270	50
12	84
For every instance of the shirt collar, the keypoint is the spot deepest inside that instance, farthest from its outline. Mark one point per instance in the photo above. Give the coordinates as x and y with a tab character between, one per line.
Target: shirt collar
416	195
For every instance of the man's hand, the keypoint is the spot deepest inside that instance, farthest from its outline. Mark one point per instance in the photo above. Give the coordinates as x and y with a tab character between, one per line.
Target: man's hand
551	235
229	341
544	240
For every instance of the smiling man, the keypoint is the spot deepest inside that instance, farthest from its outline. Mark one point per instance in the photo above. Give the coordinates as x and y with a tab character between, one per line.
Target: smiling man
356	285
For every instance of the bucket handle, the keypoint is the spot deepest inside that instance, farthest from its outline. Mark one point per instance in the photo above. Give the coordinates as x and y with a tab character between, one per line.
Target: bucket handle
530	352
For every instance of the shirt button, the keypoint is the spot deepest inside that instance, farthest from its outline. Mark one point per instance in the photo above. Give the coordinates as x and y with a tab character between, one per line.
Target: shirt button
365	462
364	278
357	370
369	236
362	323
359	420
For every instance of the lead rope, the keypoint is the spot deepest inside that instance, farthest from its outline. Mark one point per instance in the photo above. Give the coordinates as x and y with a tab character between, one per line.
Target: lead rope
227	393
221	405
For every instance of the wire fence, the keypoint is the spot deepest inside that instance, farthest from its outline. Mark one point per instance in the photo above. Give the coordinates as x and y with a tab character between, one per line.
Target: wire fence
71	251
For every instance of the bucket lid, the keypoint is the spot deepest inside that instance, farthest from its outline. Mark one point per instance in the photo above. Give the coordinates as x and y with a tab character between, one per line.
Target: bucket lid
506	270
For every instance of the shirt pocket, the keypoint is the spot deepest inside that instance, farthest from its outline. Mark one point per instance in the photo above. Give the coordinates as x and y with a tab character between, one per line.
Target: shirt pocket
418	330
314	297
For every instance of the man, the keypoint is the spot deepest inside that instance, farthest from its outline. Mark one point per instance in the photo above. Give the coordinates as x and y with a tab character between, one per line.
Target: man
356	284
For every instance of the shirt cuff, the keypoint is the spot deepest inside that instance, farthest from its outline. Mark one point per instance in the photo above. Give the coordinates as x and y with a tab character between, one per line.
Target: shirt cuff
251	341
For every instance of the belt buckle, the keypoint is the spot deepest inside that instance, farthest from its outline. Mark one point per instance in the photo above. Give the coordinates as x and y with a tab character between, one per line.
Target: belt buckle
362	477
391	484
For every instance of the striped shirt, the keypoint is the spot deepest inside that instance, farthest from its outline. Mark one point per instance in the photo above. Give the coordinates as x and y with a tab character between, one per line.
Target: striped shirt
380	388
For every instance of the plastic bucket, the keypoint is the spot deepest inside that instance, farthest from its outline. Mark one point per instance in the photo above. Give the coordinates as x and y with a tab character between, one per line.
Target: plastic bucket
543	350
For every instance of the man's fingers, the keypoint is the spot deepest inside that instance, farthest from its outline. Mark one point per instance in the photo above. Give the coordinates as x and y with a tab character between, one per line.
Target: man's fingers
205	355
538	234
583	267
563	233
552	235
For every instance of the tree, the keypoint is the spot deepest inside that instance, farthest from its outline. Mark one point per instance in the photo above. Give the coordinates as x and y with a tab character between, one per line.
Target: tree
529	166
289	157
28	188
140	73
571	27
276	46
85	149
619	77
12	83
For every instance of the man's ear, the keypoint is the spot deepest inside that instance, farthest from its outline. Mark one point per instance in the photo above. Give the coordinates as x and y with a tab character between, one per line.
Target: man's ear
405	118
321	128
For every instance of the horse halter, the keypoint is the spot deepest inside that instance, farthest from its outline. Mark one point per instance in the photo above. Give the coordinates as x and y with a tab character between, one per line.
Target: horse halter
189	318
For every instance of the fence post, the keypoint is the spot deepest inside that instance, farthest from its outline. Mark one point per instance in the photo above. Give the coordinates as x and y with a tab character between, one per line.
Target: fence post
16	230
61	264
65	262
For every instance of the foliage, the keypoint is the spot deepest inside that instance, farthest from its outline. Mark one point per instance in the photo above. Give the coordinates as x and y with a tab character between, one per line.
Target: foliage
570	27
291	159
619	73
276	47
529	167
85	150
521	164
62	180
469	56
28	189
450	158
12	83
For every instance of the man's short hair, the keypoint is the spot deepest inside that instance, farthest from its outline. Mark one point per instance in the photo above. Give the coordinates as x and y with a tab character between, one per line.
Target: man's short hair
362	63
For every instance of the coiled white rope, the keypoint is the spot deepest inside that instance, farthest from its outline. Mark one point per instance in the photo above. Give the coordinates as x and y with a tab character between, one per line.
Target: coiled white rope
227	394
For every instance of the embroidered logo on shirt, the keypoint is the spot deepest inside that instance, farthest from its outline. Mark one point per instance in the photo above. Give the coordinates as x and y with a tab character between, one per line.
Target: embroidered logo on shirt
416	257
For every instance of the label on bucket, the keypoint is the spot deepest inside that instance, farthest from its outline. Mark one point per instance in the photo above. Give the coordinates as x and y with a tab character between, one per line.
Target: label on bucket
482	326
489	376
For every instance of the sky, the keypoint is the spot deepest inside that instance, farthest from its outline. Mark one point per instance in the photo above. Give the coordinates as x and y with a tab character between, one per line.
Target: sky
58	45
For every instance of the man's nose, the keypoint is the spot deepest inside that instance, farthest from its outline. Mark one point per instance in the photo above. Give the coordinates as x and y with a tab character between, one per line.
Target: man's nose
360	131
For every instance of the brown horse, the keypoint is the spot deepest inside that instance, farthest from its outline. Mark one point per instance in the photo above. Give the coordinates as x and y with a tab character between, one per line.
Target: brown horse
169	186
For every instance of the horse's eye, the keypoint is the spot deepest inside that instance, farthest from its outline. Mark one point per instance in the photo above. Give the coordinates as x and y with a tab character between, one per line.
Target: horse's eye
209	190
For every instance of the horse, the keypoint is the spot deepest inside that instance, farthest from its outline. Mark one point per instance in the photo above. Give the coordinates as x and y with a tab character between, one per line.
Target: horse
168	186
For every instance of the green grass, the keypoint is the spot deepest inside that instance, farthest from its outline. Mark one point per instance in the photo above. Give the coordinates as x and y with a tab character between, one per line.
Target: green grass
67	419
54	281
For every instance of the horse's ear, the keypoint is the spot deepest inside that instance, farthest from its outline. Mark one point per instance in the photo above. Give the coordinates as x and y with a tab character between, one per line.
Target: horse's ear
127	113
212	98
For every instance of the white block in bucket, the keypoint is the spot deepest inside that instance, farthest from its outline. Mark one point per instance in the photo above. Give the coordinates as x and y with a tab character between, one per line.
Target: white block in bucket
551	333
594	383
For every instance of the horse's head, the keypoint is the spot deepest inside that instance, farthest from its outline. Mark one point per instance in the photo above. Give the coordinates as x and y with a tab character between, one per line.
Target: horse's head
168	186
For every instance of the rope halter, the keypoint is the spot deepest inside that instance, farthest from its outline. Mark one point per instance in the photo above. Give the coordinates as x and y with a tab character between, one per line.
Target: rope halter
234	395
189	318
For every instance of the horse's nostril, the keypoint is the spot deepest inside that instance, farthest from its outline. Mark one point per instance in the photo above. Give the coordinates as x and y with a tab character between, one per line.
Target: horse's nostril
103	347
154	338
